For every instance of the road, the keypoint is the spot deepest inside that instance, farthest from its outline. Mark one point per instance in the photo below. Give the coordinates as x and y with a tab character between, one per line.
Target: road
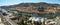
9	20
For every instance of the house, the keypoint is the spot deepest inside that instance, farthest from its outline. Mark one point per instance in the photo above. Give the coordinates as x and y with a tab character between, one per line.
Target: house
36	19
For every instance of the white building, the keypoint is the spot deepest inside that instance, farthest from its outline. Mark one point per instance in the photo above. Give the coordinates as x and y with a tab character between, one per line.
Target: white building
0	20
36	19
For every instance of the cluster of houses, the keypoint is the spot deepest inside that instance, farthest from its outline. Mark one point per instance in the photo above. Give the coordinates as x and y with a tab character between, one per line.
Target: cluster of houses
55	21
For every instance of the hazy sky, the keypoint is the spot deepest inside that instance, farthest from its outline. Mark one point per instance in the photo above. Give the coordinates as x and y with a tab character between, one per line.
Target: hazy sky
11	2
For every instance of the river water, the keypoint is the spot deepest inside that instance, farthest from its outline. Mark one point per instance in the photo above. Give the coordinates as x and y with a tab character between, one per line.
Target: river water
37	15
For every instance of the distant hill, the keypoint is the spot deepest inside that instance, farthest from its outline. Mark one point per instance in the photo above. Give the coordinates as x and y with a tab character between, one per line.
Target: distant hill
28	7
31	4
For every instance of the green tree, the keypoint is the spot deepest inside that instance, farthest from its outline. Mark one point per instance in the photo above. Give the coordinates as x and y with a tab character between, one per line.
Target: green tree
21	22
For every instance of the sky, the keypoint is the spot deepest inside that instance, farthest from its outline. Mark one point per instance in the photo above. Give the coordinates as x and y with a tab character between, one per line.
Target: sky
13	2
